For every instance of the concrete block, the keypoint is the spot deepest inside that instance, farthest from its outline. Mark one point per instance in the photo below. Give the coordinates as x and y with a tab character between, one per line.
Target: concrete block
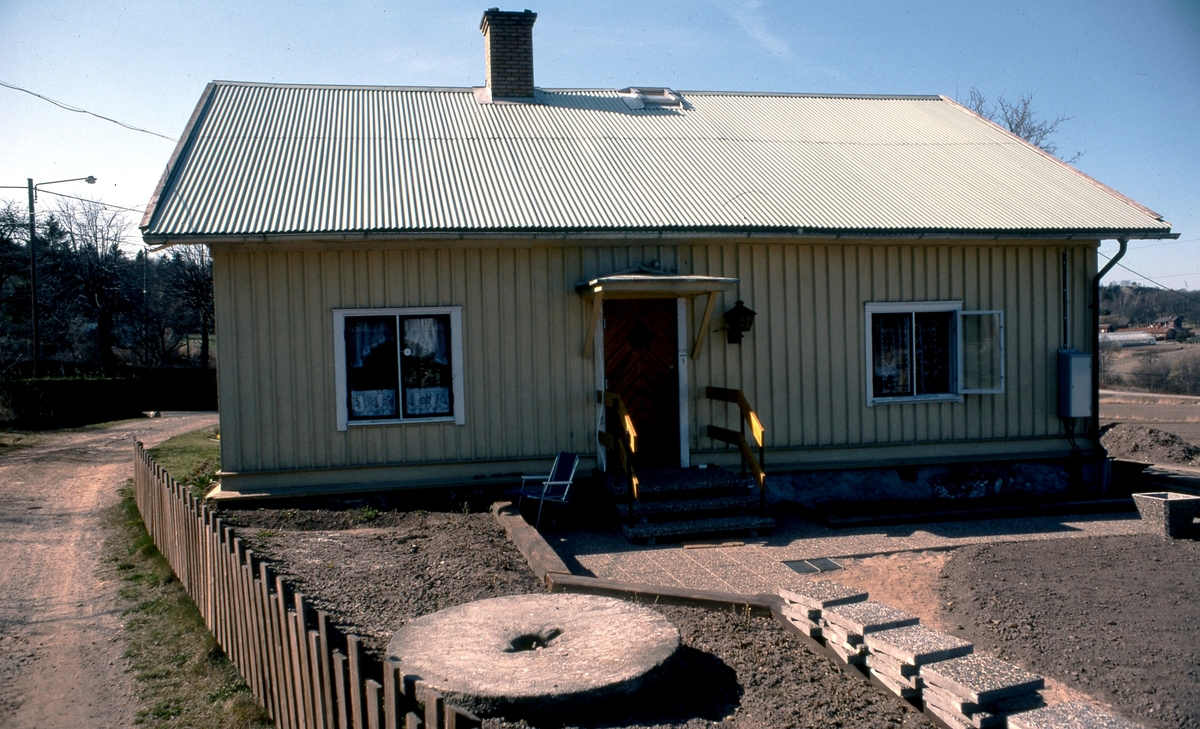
976	720
856	655
951	719
900	688
868	617
1170	513
1023	702
839	635
891	666
820	594
798	616
918	645
1072	715
980	679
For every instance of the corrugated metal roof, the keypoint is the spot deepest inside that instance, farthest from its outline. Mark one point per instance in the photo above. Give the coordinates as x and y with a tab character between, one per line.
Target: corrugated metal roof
277	159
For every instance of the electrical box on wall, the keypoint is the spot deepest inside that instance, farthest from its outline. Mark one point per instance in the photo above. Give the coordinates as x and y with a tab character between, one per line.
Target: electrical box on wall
1074	384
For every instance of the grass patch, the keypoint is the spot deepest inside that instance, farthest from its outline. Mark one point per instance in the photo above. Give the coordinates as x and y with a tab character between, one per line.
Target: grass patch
192	458
365	515
17	439
183	677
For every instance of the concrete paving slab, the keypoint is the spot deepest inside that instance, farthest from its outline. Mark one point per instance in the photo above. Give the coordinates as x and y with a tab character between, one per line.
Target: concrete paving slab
1072	715
841	636
900	688
977	720
605	554
917	645
868	617
891	666
950	718
1012	704
850	654
798	616
980	678
820	594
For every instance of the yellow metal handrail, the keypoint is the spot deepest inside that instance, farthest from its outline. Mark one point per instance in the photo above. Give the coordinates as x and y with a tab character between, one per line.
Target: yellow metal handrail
622	438
733	437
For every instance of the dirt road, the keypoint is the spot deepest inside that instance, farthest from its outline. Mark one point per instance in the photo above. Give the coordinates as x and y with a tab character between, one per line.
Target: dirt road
61	659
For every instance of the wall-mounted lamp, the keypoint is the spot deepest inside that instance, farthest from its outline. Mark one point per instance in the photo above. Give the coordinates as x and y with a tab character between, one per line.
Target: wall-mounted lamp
738	321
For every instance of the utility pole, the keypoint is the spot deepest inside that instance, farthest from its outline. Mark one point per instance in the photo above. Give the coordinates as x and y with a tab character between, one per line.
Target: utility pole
37	342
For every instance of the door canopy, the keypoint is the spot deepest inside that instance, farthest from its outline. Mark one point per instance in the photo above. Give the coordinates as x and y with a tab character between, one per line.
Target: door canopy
651	282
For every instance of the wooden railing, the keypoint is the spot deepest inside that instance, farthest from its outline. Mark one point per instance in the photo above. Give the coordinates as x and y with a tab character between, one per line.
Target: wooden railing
299	667
738	437
620	438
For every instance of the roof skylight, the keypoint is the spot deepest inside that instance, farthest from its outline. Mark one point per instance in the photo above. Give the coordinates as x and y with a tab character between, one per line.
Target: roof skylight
645	97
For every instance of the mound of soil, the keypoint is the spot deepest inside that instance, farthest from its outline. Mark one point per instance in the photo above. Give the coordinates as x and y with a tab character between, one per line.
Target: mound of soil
1117	618
1129	442
733	669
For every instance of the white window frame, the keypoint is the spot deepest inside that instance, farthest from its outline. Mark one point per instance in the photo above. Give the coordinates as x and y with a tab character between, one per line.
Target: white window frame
915	307
456	364
999	314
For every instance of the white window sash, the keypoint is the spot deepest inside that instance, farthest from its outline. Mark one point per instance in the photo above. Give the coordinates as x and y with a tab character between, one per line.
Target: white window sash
456	351
909	307
999	314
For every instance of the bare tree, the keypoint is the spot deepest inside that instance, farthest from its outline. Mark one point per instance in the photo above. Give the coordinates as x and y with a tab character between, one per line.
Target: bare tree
190	274
14	287
94	289
1020	118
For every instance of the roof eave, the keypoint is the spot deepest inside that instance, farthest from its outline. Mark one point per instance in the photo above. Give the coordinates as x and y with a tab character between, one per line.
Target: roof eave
163	241
174	164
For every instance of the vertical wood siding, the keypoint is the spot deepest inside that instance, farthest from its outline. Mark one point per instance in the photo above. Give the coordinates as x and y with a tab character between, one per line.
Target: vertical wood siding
530	393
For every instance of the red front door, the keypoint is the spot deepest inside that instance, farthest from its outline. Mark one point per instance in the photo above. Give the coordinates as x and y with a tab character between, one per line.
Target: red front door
641	365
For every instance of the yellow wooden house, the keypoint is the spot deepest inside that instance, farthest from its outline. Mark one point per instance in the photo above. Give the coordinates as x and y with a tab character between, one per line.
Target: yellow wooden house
430	286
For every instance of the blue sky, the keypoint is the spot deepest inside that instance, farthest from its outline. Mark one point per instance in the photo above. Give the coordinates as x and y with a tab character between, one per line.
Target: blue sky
1127	73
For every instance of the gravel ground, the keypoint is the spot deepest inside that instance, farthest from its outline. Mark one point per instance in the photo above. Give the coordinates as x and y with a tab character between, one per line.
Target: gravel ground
1117	618
391	567
375	571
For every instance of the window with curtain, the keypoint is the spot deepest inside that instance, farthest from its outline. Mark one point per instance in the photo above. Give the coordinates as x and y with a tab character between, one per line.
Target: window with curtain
398	365
932	350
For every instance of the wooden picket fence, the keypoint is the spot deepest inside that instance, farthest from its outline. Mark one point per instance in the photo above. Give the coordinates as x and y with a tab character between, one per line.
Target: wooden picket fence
300	668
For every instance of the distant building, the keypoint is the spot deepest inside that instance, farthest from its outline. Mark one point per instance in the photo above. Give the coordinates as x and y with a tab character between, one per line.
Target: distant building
1163	328
1127	338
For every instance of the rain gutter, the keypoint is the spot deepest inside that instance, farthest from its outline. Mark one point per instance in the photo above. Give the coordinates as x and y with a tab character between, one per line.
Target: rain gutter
165	241
1124	241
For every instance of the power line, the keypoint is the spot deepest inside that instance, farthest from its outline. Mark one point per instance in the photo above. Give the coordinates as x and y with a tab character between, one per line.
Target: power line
77	110
1180	275
1167	243
92	202
1156	283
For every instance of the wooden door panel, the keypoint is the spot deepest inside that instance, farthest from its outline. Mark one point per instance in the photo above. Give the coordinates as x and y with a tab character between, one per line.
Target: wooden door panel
641	352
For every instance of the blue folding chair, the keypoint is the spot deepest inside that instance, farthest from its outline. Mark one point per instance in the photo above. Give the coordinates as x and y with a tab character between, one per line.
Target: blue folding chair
554	486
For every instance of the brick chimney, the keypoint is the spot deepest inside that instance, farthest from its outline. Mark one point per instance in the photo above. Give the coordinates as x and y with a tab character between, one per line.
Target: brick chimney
508	48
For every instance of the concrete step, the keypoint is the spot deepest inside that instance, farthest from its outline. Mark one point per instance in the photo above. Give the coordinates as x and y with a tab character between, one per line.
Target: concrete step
747	500
716	525
677	480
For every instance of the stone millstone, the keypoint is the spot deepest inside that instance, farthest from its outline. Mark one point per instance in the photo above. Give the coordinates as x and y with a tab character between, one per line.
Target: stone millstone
535	654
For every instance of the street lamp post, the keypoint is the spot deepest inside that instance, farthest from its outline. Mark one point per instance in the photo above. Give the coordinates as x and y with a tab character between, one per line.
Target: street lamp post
37	343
